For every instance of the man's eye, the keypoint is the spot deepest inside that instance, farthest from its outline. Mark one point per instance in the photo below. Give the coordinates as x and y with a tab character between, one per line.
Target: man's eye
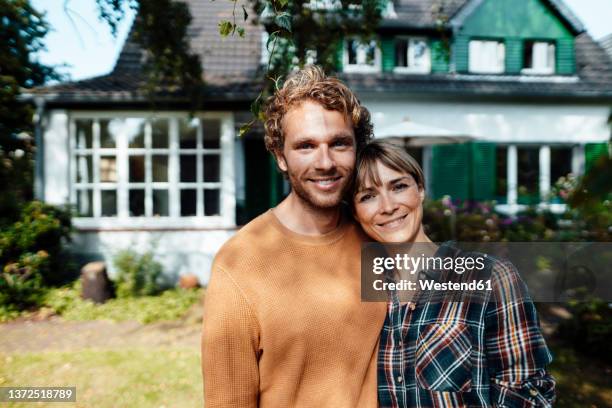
305	146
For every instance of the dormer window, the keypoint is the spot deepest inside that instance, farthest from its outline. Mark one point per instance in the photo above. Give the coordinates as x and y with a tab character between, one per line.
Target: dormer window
539	58
487	57
412	55
361	56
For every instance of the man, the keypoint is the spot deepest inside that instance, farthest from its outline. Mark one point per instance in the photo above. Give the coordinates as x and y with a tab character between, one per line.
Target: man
284	325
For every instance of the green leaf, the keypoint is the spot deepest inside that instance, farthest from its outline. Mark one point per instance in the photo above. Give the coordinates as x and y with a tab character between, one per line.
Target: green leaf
244	129
225	28
244	13
241	32
271	39
282	3
283	20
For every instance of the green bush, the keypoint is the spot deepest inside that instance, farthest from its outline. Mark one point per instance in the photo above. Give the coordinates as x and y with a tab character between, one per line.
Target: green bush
32	254
138	275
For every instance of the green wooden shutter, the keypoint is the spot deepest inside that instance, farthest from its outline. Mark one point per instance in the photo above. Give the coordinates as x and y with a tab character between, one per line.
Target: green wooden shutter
387	47
450	168
483	168
592	152
340	55
461	50
566	60
440	56
514	55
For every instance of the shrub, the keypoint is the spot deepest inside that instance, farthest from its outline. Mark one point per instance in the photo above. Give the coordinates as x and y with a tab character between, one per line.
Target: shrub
138	275
32	255
41	227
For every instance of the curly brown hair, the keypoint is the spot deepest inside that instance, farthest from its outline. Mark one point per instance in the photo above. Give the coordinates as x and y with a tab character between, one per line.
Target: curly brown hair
311	83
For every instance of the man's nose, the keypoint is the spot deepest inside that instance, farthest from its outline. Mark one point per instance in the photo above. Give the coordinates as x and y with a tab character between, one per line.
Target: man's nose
324	161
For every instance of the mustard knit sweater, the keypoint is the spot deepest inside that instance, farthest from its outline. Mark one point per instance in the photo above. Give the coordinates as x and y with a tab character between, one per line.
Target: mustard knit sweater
284	325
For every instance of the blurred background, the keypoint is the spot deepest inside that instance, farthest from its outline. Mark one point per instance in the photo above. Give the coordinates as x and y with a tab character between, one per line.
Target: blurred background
132	149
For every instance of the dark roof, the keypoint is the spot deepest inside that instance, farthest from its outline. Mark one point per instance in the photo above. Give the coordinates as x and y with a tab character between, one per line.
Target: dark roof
231	67
606	43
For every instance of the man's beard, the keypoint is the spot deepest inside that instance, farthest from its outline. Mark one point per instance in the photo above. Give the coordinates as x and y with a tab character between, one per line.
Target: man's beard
321	201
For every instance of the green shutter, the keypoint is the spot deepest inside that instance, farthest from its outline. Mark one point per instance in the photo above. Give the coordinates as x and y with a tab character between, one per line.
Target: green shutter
592	152
387	47
440	56
461	53
483	168
514	55
450	167
566	60
340	55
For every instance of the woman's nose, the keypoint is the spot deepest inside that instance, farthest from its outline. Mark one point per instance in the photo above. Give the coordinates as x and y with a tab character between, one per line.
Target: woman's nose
387	204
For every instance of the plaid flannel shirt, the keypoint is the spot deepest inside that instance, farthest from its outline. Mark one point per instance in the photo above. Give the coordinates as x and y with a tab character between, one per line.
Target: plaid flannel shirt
479	353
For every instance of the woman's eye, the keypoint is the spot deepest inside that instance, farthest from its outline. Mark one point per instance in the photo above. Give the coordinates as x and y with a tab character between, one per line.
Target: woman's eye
365	197
400	186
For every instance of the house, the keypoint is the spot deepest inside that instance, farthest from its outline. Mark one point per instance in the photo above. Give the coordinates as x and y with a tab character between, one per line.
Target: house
521	76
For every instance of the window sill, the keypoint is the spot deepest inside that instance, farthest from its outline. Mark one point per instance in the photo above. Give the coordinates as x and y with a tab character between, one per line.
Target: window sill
361	69
531	71
406	70
153	224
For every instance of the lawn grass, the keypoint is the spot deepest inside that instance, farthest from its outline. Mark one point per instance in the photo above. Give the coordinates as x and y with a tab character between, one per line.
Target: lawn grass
162	377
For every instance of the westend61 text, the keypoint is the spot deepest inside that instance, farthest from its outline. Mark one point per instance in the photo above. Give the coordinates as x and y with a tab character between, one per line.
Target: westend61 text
407	285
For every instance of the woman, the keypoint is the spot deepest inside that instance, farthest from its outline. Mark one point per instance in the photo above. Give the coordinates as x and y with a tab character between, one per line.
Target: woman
436	351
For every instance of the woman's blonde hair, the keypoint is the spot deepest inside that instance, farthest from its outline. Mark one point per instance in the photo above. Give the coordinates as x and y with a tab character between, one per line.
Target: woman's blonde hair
390	155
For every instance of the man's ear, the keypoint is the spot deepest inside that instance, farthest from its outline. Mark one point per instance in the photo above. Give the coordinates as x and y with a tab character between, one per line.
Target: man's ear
281	162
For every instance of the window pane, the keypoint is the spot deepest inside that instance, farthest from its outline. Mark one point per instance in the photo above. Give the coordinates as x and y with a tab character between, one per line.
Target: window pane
212	168
109	203
159	129
211	128
352	51
108	169
501	173
528	174
528	54
160	203
160	167
212	203
137	197
188	167
84	133
135	132
84	169
108	132
188	202
137	169
401	53
419	54
188	133
487	57
560	163
85	203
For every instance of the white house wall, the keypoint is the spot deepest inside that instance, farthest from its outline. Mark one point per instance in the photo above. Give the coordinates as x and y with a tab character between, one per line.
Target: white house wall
56	158
180	252
498	122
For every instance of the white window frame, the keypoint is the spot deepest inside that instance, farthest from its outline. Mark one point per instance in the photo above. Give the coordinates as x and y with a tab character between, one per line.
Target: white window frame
479	46
551	58
411	69
226	185
361	67
544	182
